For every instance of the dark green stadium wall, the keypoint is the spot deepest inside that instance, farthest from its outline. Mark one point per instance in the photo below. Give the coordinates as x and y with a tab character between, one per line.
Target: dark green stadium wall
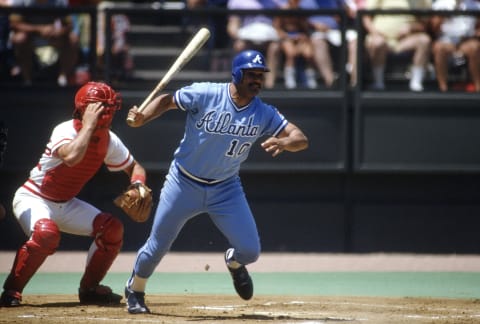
390	172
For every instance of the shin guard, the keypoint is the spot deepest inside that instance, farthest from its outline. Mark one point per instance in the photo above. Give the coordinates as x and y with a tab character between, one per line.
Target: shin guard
43	242
108	233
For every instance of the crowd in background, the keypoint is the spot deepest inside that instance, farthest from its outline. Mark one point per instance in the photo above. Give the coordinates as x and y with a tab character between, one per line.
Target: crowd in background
301	50
52	43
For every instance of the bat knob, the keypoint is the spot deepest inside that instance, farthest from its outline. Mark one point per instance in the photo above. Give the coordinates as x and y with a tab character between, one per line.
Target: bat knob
130	121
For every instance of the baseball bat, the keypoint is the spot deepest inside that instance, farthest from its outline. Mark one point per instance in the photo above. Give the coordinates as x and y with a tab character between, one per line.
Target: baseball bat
187	54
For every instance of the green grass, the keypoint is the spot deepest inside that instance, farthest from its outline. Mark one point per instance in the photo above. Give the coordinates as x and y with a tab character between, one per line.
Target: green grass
387	284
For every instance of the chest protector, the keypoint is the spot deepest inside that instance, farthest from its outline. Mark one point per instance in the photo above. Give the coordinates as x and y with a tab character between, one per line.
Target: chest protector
63	183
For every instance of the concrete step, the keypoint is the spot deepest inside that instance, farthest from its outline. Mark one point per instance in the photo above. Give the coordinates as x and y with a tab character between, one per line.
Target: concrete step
152	35
185	75
163	58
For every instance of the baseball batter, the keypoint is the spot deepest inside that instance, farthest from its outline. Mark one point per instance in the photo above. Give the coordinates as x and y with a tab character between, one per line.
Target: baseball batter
223	121
45	204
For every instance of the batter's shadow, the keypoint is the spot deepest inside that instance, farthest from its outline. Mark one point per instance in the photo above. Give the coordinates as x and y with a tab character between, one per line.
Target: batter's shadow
249	317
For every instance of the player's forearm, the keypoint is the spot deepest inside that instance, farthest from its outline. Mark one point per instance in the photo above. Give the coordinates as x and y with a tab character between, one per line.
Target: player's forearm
296	141
72	153
158	107
293	139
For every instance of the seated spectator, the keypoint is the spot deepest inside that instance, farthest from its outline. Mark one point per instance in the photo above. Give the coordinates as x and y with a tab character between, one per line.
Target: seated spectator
32	31
397	34
219	40
255	32
352	6
122	61
6	51
456	38
294	32
326	33
122	64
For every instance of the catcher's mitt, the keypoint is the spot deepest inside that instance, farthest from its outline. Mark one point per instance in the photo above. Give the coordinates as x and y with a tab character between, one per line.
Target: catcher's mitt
136	202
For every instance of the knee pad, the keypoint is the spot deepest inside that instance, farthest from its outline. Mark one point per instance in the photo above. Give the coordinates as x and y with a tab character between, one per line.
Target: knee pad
45	237
108	232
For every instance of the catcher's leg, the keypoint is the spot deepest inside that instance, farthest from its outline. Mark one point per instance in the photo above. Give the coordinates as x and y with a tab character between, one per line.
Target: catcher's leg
108	233
43	242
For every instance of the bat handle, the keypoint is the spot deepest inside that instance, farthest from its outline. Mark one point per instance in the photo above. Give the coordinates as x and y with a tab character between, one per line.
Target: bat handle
130	120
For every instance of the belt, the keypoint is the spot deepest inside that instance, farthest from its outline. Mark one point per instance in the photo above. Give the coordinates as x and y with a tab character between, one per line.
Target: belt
195	178
39	194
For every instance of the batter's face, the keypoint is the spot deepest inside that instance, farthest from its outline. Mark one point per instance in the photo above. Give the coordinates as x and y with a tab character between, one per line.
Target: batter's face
252	82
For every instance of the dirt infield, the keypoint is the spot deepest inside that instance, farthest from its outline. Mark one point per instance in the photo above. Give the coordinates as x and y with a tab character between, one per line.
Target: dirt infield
276	309
199	308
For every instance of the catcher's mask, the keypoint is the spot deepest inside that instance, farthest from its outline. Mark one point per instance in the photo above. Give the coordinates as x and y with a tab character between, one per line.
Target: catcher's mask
245	60
93	92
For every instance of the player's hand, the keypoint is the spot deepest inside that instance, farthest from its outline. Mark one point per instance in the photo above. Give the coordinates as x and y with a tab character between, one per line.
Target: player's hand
135	118
273	145
92	114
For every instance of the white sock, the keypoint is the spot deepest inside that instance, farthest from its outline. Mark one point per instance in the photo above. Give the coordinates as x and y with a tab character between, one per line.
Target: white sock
378	75
137	284
417	74
311	80
289	75
230	260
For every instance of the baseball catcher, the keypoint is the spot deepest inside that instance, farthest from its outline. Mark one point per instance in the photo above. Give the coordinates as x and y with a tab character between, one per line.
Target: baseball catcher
136	202
47	205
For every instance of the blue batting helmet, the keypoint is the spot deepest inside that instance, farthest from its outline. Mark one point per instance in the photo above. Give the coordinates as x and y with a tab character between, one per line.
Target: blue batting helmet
249	59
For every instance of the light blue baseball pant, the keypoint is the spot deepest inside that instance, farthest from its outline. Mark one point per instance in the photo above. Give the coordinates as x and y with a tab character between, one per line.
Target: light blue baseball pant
181	199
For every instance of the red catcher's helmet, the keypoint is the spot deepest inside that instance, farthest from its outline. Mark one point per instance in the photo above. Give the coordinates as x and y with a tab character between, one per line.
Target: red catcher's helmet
93	92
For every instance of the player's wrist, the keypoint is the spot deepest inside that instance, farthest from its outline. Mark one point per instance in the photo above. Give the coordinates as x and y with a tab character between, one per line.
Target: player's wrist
137	178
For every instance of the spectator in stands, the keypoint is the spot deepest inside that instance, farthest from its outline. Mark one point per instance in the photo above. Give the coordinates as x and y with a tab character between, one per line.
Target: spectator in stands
33	31
456	39
326	33
6	51
294	32
122	60
219	39
396	34
255	32
122	64
351	7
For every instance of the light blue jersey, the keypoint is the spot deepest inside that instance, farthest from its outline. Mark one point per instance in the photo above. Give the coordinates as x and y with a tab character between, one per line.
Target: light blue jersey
218	134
